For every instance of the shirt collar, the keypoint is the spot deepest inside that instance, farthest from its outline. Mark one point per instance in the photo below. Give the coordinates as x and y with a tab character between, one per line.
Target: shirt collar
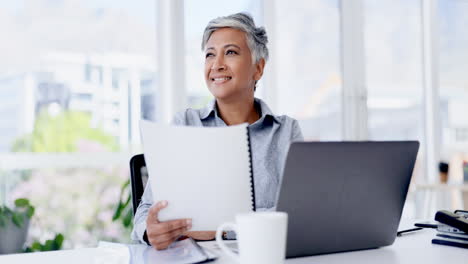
265	111
208	109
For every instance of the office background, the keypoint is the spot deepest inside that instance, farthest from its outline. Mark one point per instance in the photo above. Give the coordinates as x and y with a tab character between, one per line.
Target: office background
76	76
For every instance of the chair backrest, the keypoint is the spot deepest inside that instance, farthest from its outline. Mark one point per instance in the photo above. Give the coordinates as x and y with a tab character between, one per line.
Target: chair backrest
138	179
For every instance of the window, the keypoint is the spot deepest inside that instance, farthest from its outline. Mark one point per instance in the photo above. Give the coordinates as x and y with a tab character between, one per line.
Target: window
394	69
308	65
453	67
453	57
59	95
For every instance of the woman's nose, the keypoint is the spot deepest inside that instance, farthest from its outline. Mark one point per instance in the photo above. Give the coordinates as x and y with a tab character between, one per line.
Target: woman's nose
218	64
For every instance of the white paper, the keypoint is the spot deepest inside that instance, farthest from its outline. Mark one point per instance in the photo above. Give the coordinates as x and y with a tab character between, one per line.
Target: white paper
180	252
203	172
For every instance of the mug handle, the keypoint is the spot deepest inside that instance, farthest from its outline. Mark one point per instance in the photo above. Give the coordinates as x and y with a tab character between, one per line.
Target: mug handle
219	239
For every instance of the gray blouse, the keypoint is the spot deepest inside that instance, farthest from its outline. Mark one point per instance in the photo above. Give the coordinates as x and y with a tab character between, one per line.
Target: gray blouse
270	137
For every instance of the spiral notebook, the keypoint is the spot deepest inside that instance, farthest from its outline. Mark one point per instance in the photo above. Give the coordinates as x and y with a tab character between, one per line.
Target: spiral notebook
205	173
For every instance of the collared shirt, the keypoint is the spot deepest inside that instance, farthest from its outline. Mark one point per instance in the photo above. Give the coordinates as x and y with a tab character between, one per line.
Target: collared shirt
270	137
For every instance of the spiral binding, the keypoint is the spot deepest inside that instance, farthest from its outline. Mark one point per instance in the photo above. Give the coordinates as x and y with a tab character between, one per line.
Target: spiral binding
252	185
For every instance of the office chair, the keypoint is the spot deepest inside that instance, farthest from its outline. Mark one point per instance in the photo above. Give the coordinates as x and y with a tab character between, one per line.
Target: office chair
138	179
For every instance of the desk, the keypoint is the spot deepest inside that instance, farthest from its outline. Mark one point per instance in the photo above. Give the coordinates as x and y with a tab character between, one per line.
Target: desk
410	248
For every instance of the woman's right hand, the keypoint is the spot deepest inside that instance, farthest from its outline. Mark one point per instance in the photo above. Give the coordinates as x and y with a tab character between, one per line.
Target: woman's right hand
162	234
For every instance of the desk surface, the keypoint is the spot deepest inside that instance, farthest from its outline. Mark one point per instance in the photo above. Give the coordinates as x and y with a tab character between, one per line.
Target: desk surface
410	248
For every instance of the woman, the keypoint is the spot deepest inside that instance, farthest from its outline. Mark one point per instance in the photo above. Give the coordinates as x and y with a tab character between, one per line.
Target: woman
235	56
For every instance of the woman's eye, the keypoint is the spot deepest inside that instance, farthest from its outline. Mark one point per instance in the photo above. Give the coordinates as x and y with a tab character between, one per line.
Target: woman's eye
209	55
231	52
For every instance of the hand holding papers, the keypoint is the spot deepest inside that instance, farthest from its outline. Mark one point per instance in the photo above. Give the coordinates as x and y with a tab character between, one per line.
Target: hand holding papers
204	173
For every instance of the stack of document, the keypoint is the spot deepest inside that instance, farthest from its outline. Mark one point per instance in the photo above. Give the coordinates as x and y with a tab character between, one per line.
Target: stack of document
449	236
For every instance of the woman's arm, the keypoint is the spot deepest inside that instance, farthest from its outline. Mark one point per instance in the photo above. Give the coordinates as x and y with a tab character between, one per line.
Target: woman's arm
139	220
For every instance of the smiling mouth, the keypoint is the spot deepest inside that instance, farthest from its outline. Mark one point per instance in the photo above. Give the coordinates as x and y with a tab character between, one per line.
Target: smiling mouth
221	79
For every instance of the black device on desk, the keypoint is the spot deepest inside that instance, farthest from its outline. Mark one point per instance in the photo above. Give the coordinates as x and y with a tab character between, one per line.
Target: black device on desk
453	230
457	219
427	224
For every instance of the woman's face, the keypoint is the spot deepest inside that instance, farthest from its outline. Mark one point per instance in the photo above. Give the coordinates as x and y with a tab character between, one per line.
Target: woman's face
229	71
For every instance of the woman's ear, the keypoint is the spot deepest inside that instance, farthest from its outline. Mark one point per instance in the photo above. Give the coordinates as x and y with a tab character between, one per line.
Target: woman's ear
259	66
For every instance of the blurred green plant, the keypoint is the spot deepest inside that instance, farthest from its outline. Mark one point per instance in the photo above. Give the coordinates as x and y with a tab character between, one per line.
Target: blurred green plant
124	210
62	133
72	131
49	245
23	209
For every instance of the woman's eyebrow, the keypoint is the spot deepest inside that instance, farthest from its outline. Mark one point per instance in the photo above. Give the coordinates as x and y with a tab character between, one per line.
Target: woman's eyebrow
225	47
231	45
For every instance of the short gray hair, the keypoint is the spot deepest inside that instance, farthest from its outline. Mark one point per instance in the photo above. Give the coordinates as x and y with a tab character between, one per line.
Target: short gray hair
256	36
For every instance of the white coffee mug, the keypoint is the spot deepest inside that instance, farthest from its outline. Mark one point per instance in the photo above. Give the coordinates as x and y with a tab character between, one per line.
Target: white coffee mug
261	237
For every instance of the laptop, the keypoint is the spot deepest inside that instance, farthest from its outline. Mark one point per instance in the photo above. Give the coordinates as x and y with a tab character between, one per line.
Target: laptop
344	196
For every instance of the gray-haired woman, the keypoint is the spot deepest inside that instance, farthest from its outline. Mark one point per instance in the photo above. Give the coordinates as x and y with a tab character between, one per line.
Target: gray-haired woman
235	56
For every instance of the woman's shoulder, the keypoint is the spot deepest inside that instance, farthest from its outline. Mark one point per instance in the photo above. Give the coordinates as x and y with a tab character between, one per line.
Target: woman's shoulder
291	125
286	122
265	110
194	117
285	119
187	117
